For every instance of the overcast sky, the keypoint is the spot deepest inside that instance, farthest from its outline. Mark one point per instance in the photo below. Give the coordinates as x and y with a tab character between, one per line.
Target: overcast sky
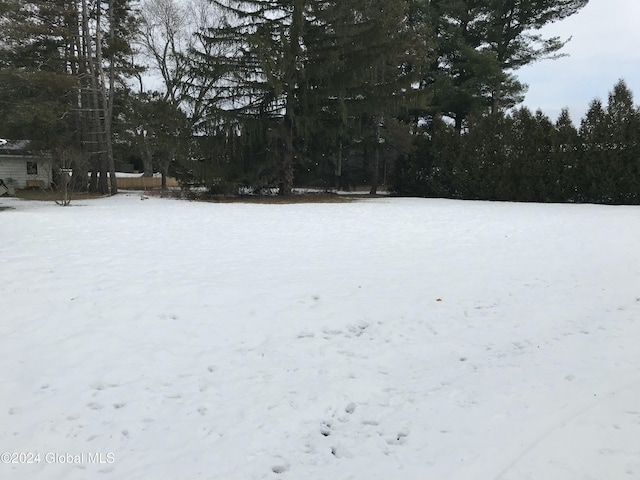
605	47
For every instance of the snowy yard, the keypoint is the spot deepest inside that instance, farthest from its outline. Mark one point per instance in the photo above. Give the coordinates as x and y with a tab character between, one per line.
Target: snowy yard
382	339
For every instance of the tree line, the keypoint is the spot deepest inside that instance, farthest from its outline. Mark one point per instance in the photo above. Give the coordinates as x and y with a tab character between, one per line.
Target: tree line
525	156
326	93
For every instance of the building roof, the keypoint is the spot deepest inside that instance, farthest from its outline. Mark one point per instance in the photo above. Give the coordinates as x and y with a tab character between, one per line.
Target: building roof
15	147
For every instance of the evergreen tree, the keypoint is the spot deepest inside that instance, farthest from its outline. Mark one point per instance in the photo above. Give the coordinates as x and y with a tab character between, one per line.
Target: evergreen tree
595	181
566	149
486	149
431	169
512	28
520	172
480	46
623	148
364	59
255	59
549	183
36	88
290	70
461	76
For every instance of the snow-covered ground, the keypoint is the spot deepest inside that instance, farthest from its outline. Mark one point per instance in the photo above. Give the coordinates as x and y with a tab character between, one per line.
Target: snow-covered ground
383	339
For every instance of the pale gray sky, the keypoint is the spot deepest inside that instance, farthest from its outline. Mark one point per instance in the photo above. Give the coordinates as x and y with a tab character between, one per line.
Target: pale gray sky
605	47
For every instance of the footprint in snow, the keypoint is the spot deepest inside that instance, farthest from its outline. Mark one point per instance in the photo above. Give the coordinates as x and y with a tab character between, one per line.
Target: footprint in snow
102	386
329	331
340	451
325	429
280	465
400	438
357	330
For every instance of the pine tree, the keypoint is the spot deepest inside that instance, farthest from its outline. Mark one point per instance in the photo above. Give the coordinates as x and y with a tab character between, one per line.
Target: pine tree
36	89
623	149
254	57
363	66
292	70
522	168
486	153
462	71
566	152
512	28
609	170
596	181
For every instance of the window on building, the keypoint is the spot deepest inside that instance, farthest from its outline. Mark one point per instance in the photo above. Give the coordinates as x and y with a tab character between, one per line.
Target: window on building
32	168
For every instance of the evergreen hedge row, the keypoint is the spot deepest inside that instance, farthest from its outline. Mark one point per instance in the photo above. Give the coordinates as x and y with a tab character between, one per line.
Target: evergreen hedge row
526	157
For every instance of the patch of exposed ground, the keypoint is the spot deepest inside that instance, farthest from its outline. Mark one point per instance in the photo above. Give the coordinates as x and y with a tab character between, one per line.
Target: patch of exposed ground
322	197
49	196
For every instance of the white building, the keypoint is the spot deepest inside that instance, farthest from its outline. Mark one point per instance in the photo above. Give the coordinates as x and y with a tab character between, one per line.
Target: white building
22	168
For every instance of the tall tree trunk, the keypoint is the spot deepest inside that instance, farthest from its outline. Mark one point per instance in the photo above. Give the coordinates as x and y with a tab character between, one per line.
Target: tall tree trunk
108	104
99	173
338	171
375	167
147	156
459	118
76	61
285	185
100	101
374	171
292	83
496	96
